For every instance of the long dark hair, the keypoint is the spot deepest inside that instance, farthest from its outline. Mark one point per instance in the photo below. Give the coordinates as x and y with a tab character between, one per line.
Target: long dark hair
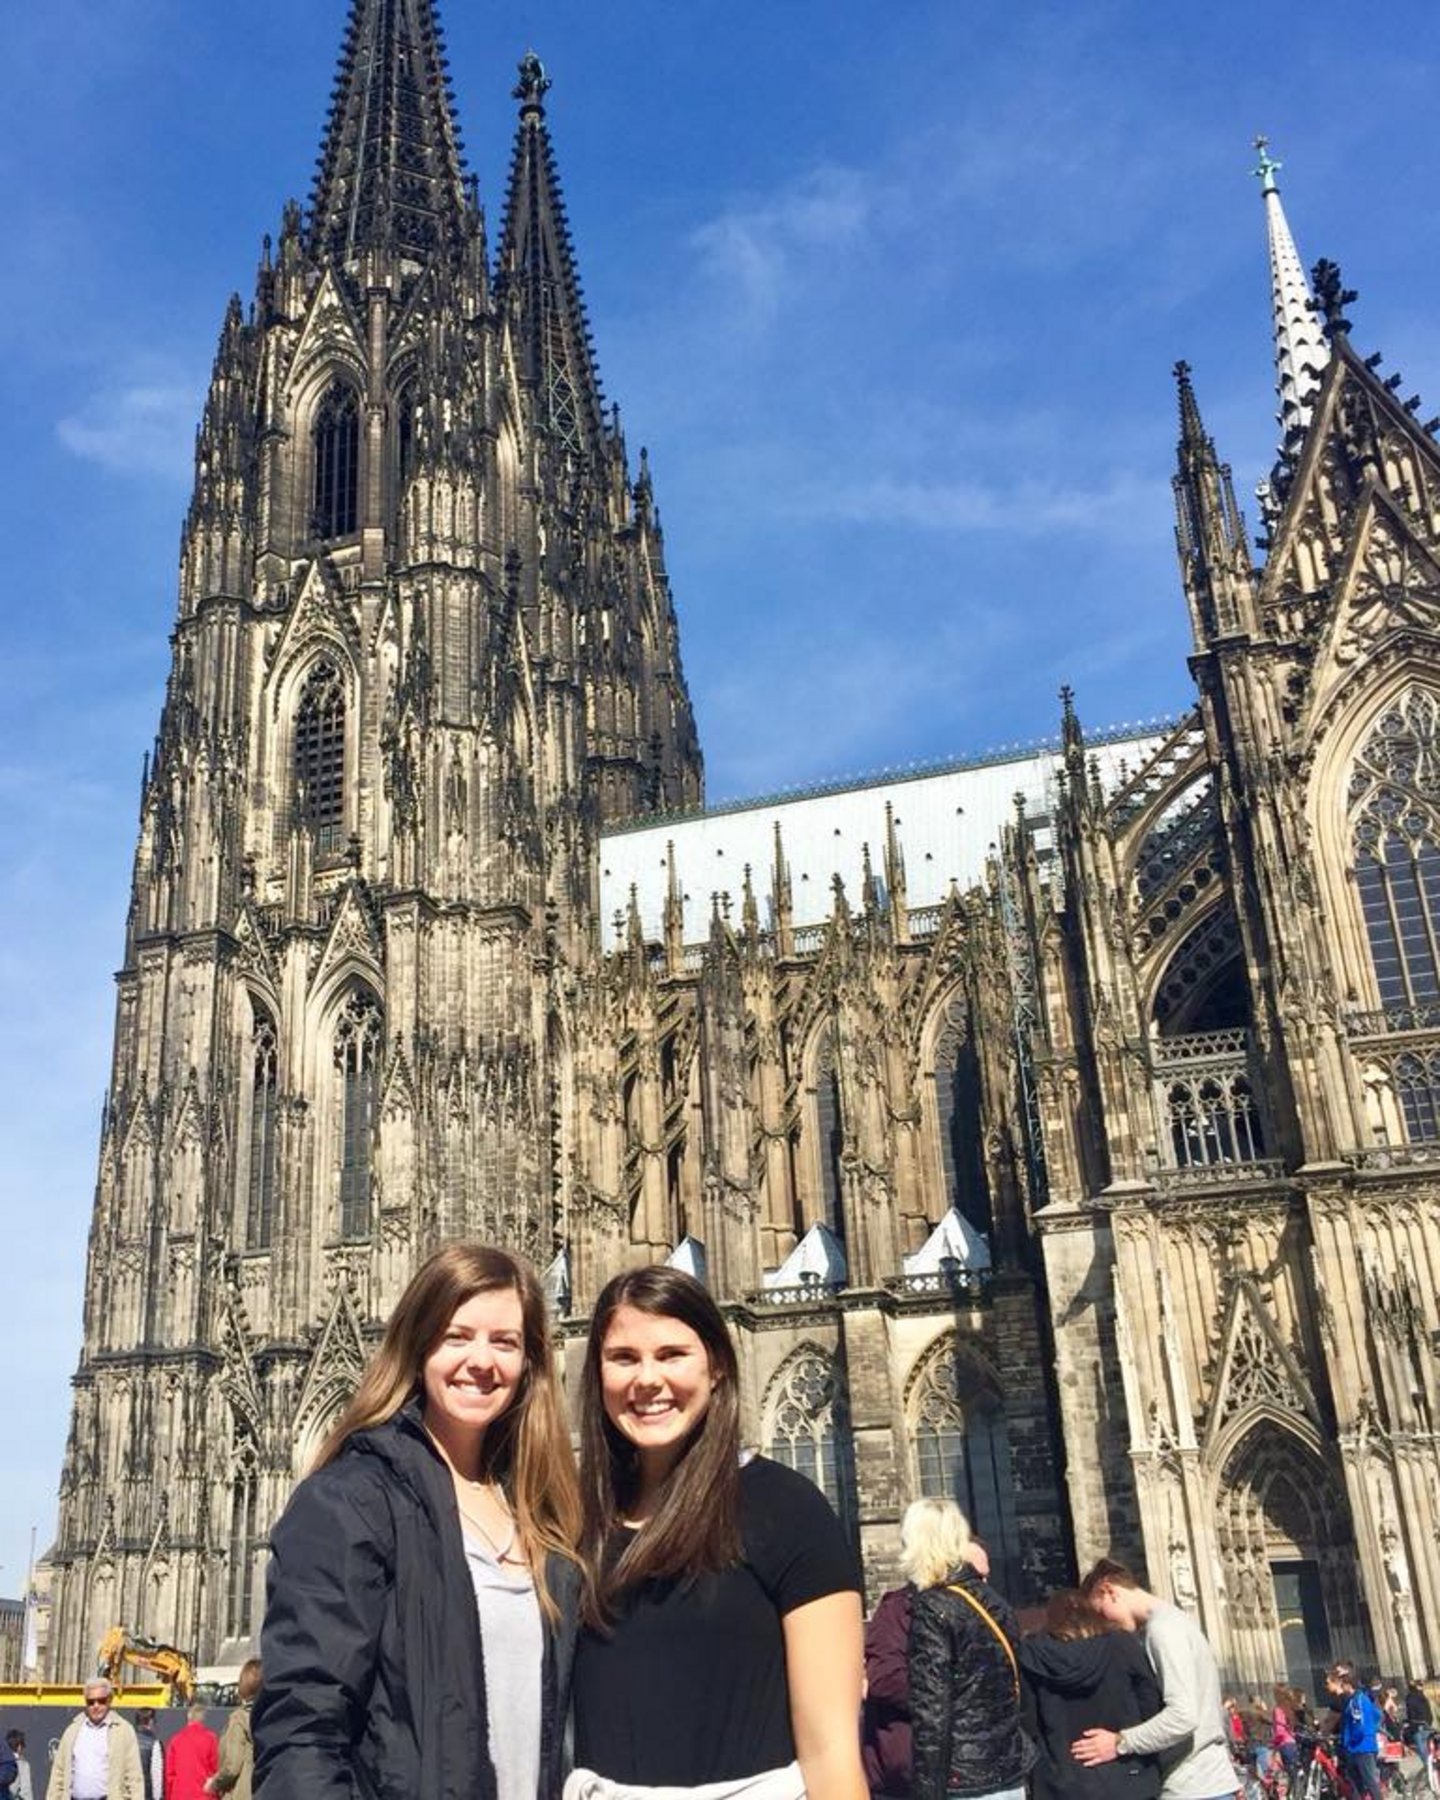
527	1449
696	1526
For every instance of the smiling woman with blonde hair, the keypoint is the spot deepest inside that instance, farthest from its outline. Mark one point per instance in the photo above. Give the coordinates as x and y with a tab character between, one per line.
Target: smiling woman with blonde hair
424	1584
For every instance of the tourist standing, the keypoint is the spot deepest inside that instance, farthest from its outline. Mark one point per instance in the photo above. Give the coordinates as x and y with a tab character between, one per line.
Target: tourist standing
724	1645
1189	1733
191	1757
1419	1718
152	1753
1078	1672
1284	1717
424	1584
21	1788
964	1675
97	1757
1361	1722
235	1772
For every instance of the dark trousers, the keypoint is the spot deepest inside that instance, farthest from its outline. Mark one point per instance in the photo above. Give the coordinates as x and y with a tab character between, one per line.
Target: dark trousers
1364	1771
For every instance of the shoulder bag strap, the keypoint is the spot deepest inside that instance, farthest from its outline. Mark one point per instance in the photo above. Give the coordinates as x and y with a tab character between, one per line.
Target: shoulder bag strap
985	1614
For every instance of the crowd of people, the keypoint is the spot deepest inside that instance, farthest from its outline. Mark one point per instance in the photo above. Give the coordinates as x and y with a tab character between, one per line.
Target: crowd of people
1115	1695
102	1755
460	1609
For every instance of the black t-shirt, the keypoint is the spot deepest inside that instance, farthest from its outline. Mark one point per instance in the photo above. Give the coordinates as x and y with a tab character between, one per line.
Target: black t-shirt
690	1685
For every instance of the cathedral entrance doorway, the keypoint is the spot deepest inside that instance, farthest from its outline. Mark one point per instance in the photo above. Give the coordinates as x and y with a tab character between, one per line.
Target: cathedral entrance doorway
1287	1553
1304	1628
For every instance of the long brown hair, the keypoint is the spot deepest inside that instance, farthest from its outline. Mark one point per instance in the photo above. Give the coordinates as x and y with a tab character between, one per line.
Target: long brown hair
527	1449
696	1526
1069	1615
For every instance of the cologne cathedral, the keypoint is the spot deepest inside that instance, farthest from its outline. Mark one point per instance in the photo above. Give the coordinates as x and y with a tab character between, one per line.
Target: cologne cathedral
1059	1132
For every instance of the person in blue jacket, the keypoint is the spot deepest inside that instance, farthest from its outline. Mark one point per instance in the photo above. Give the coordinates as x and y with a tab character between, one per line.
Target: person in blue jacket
1360	1723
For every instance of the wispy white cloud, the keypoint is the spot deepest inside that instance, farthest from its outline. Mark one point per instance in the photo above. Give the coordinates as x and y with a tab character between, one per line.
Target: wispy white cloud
1028	507
143	429
756	250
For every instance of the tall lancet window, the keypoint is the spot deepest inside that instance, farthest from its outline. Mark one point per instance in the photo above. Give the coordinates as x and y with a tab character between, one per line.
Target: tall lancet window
335	445
956	1422
1395	808
1394	800
830	1139
808	1427
260	1197
959	1114
320	758
245	1539
357	1069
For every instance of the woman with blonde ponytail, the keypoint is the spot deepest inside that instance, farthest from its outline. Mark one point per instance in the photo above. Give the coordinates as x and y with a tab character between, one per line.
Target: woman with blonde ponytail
424	1584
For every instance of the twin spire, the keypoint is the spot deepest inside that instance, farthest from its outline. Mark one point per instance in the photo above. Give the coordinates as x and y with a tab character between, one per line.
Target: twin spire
391	179
391	173
1301	348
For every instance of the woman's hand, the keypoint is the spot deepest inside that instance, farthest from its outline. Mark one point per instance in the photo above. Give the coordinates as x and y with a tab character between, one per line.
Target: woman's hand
824	1667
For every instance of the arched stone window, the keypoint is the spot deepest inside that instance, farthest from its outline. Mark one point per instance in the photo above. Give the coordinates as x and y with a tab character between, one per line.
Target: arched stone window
1395	819
320	758
261	1138
808	1427
962	1452
1213	1116
829	1135
1416	1081
357	1069
959	1120
245	1538
335	446
407	431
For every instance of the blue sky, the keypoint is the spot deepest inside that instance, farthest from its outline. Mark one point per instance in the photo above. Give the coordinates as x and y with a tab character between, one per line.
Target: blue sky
891	292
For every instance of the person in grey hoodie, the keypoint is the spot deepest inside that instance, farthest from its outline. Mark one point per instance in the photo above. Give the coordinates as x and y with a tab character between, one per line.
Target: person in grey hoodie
1079	1671
1188	1732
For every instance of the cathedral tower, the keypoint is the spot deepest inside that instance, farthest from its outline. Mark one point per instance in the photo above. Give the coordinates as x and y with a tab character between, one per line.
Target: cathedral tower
424	647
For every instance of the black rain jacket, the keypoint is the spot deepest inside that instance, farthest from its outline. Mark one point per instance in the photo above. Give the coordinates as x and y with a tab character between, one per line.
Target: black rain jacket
374	1685
964	1699
1069	1685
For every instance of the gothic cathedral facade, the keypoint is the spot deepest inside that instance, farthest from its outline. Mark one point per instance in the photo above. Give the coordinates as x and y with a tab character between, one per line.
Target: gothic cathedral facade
1098	1188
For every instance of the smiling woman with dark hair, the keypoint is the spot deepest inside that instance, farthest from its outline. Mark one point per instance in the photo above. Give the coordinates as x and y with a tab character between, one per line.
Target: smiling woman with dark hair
723	1646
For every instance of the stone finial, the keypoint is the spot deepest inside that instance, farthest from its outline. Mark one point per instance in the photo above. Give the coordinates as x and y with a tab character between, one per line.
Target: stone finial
530	90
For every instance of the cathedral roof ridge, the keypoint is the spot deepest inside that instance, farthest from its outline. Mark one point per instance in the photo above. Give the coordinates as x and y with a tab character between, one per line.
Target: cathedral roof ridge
919	770
390	174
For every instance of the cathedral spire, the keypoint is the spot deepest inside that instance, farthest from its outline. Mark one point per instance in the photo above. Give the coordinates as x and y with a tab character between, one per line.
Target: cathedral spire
1301	351
1209	530
537	276
390	173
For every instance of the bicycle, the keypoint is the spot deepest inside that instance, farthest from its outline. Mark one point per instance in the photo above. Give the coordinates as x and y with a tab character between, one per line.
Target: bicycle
1319	1775
1423	1782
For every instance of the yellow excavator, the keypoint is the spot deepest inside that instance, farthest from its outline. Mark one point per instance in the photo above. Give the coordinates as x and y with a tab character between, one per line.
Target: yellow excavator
173	1667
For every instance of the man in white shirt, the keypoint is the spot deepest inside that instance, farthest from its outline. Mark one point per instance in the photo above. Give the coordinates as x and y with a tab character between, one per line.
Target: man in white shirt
98	1757
1188	1733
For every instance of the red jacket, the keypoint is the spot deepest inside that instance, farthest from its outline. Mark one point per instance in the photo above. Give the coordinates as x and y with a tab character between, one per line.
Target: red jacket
191	1757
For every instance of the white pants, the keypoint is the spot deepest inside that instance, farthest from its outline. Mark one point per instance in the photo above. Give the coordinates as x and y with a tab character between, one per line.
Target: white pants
773	1784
